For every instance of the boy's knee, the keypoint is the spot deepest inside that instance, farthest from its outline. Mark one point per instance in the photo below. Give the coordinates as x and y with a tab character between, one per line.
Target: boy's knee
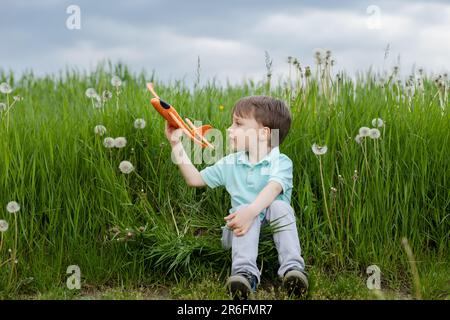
281	205
281	209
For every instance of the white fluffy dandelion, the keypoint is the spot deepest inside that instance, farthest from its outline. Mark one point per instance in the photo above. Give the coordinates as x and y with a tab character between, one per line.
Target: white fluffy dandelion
139	123
358	139
109	142
377	122
5	88
319	150
3	226
126	167
116	82
374	133
100	130
12	207
120	142
364	131
91	93
106	95
3	107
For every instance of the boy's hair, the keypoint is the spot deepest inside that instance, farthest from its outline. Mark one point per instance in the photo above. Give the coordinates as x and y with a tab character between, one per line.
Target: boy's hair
268	111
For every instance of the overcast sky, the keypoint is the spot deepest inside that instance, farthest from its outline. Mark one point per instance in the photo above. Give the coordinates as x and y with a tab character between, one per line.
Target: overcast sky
230	37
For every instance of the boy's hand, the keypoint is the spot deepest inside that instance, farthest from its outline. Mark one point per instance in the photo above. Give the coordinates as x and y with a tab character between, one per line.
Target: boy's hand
241	220
173	134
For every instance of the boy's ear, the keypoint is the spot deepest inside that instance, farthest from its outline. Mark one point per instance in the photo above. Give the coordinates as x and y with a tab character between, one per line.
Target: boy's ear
265	133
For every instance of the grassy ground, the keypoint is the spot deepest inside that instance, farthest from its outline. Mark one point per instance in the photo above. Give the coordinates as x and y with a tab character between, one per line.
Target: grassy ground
349	286
133	230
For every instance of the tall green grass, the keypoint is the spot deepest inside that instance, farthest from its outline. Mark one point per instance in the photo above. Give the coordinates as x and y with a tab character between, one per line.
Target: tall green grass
78	208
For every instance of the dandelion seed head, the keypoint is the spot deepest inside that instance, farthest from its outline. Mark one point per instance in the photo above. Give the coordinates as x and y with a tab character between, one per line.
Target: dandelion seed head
106	95
359	139
91	93
126	167
3	225
2	106
5	88
139	123
377	122
374	133
395	69
116	82
18	98
109	142
12	207
319	150
318	56
120	142
364	131
100	130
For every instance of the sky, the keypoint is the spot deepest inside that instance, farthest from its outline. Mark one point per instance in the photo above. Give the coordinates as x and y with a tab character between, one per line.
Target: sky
229	37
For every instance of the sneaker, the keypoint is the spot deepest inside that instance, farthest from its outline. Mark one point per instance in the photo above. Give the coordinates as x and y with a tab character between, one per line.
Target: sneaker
242	285
295	282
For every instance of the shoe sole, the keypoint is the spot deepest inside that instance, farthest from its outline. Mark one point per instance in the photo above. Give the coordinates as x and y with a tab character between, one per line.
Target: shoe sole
295	283
238	287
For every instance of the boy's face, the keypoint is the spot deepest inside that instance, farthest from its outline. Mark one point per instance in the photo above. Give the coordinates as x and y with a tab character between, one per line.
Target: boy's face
245	133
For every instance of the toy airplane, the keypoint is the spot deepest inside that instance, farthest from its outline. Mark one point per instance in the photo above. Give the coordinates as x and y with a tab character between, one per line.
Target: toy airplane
171	115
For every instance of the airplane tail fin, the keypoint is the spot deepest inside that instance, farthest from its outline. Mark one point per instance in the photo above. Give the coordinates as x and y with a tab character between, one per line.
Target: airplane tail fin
200	131
203	129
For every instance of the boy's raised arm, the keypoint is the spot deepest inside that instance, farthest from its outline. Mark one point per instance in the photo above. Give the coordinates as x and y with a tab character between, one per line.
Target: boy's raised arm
190	173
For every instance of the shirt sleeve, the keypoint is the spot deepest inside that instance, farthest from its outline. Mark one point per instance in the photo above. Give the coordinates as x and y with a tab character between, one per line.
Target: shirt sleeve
281	172
214	176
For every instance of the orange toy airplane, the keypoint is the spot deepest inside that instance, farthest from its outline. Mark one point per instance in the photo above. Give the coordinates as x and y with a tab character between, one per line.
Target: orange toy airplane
171	115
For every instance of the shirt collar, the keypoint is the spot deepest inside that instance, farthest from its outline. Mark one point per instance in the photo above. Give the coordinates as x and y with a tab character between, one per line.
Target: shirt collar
243	157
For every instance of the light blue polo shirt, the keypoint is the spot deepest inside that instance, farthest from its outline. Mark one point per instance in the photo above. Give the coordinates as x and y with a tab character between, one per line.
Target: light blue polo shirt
244	181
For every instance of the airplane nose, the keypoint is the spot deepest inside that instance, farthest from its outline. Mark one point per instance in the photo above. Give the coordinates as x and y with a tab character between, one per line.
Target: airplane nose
155	101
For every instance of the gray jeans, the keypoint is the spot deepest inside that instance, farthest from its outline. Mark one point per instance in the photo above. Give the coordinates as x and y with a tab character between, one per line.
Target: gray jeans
245	248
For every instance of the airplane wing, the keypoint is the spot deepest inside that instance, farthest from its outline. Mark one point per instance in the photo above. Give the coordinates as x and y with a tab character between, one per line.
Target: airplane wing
185	130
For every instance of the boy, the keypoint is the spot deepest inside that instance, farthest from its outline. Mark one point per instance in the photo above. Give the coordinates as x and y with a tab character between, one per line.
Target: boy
259	180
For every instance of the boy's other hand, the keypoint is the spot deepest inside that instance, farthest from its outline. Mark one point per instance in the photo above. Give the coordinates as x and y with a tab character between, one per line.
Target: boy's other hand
173	134
241	220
